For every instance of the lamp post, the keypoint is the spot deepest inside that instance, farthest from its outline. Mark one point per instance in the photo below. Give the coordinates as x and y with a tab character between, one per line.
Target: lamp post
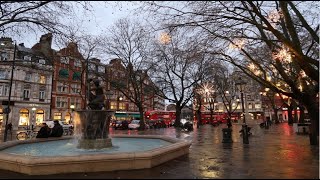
8	110
33	118
241	85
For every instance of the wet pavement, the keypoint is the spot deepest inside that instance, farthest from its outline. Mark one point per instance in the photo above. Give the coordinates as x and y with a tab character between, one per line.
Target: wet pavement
272	153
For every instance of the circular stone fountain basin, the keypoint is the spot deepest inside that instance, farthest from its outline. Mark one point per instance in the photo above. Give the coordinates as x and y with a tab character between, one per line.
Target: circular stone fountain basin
60	155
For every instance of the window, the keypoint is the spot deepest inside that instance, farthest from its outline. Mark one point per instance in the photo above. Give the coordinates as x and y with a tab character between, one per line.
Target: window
42	61
4	56
76	76
64	60
57	115
77	63
113	105
42	79
27	58
26	94
4	90
101	69
92	67
76	102
41	95
63	73
4	74
61	102
250	106
24	117
39	116
28	76
257	106
75	88
1	116
122	106
62	88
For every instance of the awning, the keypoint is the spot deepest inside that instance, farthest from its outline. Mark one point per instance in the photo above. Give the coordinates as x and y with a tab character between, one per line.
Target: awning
135	115
76	76
64	73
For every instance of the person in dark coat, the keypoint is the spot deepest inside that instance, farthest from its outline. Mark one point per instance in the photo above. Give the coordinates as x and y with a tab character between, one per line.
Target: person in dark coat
57	129
44	131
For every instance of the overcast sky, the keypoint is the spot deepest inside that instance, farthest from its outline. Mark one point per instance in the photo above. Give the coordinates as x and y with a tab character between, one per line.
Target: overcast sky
104	14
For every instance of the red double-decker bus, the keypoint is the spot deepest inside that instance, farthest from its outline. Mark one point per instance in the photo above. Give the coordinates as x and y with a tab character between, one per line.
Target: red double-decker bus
167	116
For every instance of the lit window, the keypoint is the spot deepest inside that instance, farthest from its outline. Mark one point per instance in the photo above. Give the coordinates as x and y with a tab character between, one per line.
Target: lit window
57	115
42	79
24	117
113	105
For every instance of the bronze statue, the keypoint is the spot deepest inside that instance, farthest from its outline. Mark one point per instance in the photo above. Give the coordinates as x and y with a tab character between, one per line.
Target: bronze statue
96	99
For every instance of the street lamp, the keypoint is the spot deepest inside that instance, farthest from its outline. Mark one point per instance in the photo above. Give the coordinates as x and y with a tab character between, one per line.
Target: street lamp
240	84
8	110
33	117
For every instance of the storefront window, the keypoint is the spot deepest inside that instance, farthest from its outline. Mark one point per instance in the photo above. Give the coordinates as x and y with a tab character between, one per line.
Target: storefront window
39	117
67	117
24	117
1	116
113	105
57	115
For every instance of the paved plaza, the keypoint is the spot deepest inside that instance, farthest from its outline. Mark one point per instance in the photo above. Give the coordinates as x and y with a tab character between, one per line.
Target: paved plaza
274	153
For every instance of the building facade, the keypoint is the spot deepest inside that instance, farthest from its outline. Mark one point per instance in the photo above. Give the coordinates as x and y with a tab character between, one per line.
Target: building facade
30	95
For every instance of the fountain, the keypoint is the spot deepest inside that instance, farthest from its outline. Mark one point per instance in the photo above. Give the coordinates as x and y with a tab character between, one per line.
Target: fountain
92	151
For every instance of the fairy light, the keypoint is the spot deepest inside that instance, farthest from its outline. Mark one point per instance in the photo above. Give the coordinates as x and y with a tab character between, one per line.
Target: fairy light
251	66
274	17
302	73
278	84
165	38
268	78
237	44
283	54
300	87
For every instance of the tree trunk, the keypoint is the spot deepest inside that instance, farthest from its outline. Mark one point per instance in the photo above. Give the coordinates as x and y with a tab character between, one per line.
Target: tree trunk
290	119
313	110
198	115
177	122
302	115
276	118
295	119
142	122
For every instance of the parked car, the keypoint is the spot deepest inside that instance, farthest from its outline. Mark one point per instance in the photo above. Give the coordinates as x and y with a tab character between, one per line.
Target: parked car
121	125
50	123
135	124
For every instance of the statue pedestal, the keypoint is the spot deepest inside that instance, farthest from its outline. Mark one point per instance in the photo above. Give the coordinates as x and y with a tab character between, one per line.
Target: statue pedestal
94	143
93	127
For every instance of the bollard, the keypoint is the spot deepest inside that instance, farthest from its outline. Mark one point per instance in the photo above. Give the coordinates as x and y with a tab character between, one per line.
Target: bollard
245	135
227	135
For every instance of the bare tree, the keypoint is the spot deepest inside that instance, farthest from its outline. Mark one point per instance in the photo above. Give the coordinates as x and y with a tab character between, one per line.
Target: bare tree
181	63
22	17
281	28
128	41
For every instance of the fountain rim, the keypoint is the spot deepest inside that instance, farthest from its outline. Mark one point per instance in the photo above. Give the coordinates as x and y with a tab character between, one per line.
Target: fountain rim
9	144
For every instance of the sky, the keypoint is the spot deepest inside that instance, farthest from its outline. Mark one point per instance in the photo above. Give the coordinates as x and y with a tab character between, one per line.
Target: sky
102	16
